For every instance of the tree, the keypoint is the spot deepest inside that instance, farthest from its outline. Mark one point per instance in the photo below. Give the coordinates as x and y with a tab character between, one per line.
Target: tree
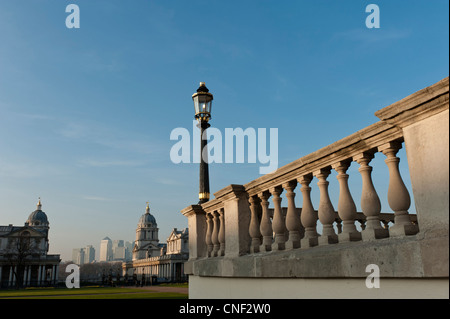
18	250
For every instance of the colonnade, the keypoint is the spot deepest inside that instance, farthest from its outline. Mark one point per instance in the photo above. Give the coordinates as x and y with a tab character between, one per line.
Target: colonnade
30	275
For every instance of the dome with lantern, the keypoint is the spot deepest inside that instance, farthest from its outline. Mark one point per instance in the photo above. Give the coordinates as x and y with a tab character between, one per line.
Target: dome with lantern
147	220
38	218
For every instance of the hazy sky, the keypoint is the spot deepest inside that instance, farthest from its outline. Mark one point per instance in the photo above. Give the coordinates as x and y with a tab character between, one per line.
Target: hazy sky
86	114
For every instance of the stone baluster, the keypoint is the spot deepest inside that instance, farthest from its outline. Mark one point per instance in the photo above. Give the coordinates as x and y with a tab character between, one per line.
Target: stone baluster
326	210
370	202
215	234
278	220
346	205
398	195
293	223
222	232
208	239
254	230
308	216
266	226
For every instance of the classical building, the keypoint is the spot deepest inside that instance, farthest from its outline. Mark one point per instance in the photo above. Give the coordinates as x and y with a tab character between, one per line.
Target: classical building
154	261
178	242
24	258
147	242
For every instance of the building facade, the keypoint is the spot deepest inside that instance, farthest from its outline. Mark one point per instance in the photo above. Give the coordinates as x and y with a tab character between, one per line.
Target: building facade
153	261
24	258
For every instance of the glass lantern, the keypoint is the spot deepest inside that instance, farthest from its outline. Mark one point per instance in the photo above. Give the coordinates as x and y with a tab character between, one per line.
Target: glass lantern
202	103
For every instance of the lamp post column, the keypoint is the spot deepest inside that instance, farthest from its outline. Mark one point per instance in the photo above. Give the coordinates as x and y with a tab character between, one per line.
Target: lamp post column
203	193
202	103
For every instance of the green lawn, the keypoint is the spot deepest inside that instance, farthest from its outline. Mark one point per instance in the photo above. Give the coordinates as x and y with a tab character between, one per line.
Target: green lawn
89	293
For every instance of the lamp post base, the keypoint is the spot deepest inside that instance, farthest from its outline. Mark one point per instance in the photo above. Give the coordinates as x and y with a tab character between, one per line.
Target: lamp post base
203	198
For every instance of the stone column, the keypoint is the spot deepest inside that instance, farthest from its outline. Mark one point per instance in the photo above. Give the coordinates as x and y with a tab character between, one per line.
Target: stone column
346	205
326	209
10	283
278	222
14	278
208	236
398	195
308	216
39	275
370	202
265	226
236	219
53	280
30	268
24	280
221	232
293	223
215	233
197	232
254	231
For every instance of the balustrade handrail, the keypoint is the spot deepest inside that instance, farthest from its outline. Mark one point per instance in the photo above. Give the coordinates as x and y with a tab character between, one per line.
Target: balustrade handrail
365	140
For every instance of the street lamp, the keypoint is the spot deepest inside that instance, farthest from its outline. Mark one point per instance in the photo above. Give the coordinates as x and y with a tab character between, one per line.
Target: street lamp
202	104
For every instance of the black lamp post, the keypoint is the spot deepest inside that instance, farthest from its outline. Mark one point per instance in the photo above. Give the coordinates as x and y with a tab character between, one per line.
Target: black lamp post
202	103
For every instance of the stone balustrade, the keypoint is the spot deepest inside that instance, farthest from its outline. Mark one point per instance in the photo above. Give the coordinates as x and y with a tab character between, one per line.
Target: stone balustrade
291	228
236	234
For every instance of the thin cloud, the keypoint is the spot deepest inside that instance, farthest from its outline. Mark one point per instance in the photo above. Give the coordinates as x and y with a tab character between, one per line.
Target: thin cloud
366	36
93	132
109	163
23	169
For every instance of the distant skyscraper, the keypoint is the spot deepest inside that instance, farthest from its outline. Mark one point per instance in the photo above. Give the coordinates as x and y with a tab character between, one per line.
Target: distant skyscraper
119	253
106	253
129	250
89	254
82	256
78	256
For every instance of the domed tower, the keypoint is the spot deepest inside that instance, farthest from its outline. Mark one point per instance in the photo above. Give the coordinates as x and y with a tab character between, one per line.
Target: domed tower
38	219
146	244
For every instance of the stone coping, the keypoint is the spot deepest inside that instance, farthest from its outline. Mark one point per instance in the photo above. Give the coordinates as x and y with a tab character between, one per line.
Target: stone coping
404	257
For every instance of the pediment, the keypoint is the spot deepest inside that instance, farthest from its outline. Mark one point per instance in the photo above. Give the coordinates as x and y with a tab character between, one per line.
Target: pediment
149	246
177	234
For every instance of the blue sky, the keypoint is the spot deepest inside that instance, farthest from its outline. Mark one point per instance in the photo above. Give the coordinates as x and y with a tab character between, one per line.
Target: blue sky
86	114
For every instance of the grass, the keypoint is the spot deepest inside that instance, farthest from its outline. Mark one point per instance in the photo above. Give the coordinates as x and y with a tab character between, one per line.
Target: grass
180	285
89	293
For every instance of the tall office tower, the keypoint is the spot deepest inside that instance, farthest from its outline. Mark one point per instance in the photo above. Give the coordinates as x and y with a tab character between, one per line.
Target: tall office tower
106	249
